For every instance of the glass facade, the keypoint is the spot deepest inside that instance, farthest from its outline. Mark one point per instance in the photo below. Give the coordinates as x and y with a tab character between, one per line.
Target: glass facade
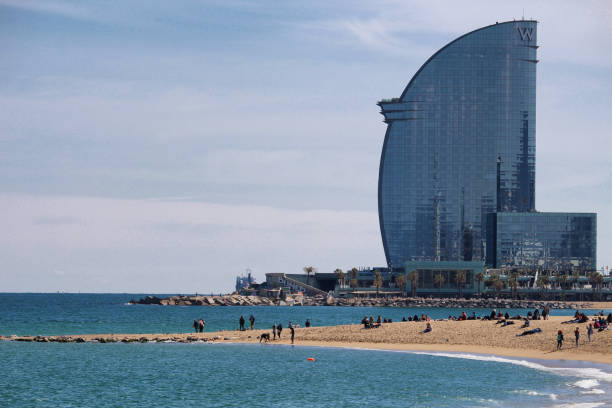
471	103
448	270
553	241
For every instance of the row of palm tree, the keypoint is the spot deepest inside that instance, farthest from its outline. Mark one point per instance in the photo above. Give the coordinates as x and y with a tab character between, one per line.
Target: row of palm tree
494	281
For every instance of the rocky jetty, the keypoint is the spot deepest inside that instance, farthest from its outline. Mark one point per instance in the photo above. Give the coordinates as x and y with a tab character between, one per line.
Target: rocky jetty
238	300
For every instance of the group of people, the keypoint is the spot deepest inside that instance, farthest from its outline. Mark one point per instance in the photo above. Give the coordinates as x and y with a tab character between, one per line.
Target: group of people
241	322
277	329
198	325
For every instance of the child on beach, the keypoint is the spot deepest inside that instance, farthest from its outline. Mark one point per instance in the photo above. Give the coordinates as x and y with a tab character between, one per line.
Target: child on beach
590	331
559	339
428	328
577	334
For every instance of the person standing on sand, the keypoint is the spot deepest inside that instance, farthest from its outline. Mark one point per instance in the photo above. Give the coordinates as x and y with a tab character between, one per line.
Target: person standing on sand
241	321
195	325
201	324
274	331
279	329
590	331
559	339
577	334
292	333
252	320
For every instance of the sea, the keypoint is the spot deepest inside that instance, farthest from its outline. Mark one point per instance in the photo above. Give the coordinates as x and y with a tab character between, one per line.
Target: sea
260	375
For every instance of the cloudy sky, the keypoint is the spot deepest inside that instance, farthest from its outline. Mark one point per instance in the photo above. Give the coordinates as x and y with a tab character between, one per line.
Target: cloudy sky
154	146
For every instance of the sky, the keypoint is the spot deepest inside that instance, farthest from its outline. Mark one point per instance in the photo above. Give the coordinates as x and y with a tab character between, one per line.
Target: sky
164	147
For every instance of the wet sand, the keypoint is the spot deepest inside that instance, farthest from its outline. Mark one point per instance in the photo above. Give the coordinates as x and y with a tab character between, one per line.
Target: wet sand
471	336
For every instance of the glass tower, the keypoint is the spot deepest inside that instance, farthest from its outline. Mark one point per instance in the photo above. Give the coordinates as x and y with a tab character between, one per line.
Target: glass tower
460	143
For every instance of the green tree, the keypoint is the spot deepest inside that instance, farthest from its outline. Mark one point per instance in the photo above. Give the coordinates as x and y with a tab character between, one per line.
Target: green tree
354	282
400	281
460	279
378	281
309	270
596	280
439	281
413	277
498	285
339	276
495	282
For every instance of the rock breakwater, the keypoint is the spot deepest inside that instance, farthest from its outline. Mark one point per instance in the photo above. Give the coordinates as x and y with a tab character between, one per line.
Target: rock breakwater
238	300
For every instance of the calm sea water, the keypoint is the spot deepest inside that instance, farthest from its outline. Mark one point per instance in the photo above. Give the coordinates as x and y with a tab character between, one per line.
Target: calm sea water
221	375
232	375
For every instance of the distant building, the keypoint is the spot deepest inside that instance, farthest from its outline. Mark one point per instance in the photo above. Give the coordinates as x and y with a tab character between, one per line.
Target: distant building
459	153
244	280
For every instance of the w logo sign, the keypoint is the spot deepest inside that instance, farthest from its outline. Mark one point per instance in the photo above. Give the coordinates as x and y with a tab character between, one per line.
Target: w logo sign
526	33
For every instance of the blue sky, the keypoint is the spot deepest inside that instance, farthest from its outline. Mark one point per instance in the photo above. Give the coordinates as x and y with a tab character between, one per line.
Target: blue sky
163	147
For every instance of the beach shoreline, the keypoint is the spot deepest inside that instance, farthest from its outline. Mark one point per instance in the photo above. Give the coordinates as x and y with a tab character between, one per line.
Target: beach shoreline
471	336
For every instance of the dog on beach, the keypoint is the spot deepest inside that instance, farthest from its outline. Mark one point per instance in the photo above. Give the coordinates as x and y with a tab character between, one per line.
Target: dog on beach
265	337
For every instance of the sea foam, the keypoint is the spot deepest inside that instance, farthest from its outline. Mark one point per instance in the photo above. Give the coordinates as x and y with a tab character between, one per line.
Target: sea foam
589	374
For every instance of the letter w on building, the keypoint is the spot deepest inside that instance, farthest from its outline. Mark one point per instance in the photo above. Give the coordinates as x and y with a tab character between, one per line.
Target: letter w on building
526	32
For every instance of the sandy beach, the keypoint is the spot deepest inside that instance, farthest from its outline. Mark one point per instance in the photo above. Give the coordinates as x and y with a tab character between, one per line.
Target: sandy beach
471	336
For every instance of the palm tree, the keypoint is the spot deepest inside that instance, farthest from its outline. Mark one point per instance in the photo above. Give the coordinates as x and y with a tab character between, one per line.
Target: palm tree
413	277
309	270
479	278
460	279
378	281
354	282
498	285
563	281
339	276
542	282
439	280
596	280
513	281
576	279
400	281
495	282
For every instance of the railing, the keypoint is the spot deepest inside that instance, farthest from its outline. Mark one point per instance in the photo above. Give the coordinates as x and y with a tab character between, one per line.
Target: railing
306	286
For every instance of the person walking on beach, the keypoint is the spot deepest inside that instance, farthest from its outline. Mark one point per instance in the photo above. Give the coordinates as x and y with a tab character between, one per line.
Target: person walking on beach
252	320
279	329
292	333
195	325
577	334
274	331
559	339
590	331
241	321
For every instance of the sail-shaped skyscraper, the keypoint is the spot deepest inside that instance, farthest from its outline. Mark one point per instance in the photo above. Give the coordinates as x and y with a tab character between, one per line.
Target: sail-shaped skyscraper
459	156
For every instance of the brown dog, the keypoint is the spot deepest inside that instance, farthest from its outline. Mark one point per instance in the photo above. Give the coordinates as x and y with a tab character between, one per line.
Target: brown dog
265	337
